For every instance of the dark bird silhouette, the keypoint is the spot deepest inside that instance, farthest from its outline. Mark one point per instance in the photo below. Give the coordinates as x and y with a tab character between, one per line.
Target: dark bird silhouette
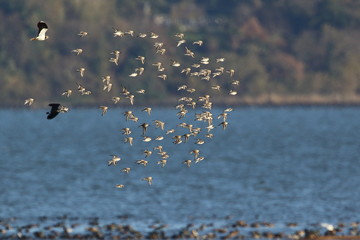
54	111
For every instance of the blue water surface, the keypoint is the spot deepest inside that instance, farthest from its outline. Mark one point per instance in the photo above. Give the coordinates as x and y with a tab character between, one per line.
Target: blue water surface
271	164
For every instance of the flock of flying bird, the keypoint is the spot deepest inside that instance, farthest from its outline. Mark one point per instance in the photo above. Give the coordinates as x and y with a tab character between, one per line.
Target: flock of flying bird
196	132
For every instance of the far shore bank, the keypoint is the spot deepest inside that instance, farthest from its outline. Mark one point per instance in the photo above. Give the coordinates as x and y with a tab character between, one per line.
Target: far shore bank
272	100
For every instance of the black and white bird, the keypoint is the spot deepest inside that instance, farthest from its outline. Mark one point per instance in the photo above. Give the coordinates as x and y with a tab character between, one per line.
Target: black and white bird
54	111
42	31
56	108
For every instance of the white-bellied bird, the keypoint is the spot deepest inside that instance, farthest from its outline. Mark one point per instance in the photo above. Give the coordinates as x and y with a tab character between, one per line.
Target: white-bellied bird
42	30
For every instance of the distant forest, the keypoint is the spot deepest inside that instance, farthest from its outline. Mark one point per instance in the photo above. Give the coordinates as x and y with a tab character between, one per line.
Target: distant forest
278	48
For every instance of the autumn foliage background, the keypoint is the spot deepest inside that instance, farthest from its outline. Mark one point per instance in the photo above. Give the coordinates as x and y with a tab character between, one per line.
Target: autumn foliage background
283	51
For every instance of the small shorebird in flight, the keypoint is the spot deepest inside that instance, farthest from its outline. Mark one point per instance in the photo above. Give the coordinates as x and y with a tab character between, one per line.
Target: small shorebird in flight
114	60
158	65
82	34
29	101
198	42
129	140
220	69
179	35
231	72
177	139
130	32
148	179
42	26
128	115
186	136
232	92
141	91
140	70
147	109
67	93
103	110
81	89
118	33
235	82
164	155
196	152
186	70
162	162
187	162
77	51
147	153
224	124
116	99
216	87
106	79
153	35
199	159
192	104
81	71
131	99
134	74
182	113
107	87
199	141
159	148
170	131
142	162
191	90
126	131
161	51
162	76
126	170
144	127
116	53
159	124
189	53
209	135
223	115
158	45
124	91
182	41
134	119
141	59
175	63
142	35
146	139
182	87
114	160
204	60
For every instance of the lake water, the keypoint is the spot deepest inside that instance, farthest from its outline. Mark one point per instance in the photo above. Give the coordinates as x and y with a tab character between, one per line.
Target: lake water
271	164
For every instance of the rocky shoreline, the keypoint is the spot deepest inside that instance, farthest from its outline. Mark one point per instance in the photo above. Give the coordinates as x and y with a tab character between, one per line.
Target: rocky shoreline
73	228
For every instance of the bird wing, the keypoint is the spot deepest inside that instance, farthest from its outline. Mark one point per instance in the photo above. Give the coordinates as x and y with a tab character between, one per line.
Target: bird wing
42	25
51	115
54	106
54	111
42	28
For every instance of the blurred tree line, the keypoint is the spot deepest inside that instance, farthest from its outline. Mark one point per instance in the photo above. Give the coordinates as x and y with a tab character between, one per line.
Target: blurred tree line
284	47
